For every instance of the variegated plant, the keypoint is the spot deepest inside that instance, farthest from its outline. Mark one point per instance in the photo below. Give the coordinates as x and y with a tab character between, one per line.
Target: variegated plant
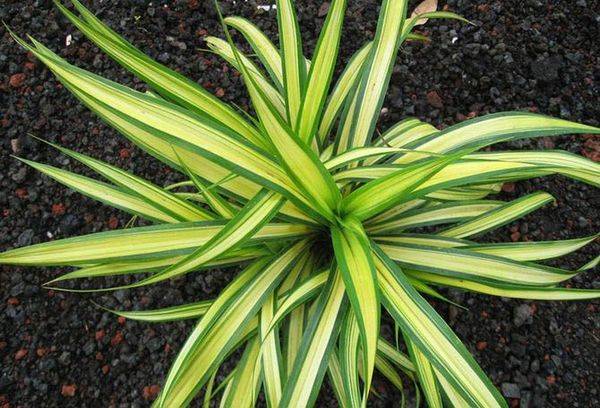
320	211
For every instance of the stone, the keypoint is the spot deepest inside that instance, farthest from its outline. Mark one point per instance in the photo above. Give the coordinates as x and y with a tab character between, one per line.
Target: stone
16	80
434	99
511	390
522	314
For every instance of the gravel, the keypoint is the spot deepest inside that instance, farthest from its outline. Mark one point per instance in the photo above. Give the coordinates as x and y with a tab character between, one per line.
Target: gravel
59	349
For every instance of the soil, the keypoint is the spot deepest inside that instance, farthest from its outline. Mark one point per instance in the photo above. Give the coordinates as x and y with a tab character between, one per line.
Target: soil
59	349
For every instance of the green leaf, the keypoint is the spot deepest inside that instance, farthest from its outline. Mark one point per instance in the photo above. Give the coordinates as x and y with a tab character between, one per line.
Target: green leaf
435	339
151	265
135	243
299	161
495	128
569	164
228	53
341	90
441	214
272	361
499	216
152	194
337	380
508	290
386	192
169	314
105	193
321	72
294	67
390	353
461	263
353	255
236	232
532	251
317	343
214	200
216	334
377	72
262	46
422	239
426	375
244	387
349	355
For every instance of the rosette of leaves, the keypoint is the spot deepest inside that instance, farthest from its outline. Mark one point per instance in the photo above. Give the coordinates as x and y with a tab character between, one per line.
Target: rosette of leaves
320	212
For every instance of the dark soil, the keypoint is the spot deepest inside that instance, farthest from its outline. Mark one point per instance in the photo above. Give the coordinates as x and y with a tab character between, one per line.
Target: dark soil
59	349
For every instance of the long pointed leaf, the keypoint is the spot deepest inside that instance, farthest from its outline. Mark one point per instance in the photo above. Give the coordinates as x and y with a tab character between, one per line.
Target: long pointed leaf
432	335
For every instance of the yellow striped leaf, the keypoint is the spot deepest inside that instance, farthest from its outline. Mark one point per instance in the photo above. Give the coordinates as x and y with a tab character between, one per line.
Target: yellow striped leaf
499	216
353	255
435	339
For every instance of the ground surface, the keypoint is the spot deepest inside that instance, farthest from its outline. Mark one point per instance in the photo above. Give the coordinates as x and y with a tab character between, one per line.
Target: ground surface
60	350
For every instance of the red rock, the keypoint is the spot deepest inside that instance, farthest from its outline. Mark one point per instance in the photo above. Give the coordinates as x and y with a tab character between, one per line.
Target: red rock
220	92
591	149
117	338
150	391
105	369
548	142
58	209
100	335
481	345
515	236
2	345
99	356
434	99
68	390
324	9
113	222
483	8
124	153
121	320
13	301
508	187
551	379
21	354
21	193
16	80
41	351
30	66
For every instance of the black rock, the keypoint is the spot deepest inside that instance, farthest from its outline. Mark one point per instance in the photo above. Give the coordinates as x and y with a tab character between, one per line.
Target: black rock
522	314
511	390
25	238
547	69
